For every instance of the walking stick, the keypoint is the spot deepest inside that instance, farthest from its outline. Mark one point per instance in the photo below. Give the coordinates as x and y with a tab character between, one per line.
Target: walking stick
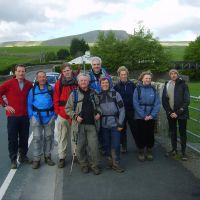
75	138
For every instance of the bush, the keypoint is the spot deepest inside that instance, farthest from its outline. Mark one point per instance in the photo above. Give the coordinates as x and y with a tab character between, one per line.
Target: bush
193	74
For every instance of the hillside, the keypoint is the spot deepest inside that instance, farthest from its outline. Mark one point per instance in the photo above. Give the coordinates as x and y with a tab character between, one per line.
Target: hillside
89	37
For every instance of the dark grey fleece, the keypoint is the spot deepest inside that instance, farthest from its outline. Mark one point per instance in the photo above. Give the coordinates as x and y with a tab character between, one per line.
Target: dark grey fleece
113	112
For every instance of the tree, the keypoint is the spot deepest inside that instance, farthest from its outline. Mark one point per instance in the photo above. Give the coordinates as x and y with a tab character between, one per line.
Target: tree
63	54
110	50
78	47
50	56
139	51
192	51
145	52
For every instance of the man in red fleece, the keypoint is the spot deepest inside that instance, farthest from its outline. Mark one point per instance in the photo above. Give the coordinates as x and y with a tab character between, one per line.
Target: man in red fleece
16	91
63	88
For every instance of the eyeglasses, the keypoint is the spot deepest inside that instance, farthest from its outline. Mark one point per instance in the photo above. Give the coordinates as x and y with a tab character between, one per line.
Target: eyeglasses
94	64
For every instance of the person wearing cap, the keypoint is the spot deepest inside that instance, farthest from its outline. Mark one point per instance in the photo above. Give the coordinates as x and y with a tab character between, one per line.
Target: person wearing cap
125	87
175	100
16	91
112	123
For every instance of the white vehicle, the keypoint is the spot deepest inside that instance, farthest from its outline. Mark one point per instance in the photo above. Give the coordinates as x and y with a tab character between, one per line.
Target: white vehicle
52	77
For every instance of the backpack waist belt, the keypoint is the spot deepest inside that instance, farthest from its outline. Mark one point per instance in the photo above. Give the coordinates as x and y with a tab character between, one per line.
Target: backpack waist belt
42	110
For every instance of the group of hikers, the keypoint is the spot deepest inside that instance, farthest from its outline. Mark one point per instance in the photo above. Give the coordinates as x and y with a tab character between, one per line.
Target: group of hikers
91	115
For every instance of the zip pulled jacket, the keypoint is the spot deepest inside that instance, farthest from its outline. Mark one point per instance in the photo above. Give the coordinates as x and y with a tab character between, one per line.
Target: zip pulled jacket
61	95
181	99
40	100
74	108
94	79
126	90
147	103
112	108
16	97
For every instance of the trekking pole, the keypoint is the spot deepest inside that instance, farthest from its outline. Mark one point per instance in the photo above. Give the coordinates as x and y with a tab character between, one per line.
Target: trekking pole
72	164
74	153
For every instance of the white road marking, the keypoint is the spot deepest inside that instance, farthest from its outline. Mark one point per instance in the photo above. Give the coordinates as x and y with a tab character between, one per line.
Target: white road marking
11	174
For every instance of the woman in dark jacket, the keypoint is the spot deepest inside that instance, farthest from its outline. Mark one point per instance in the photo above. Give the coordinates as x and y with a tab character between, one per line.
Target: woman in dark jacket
125	87
146	102
175	100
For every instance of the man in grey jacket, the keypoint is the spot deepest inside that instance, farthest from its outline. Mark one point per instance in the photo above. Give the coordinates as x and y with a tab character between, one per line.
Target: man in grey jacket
83	108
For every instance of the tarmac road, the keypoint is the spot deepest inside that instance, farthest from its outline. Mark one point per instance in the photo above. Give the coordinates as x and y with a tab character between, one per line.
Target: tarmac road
161	179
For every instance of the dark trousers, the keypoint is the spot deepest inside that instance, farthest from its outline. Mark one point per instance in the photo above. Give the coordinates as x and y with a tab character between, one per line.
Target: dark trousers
18	132
129	117
182	124
144	133
111	138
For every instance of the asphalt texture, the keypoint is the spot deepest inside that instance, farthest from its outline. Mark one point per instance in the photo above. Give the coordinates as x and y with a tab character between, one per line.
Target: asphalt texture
160	179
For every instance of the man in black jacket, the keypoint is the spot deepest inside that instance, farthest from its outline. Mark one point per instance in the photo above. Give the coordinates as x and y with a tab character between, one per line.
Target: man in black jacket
175	100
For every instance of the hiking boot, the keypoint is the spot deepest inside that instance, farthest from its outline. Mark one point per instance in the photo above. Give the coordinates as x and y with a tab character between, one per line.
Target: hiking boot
124	149
96	170
141	156
48	161
184	157
109	163
13	164
61	163
171	153
116	167
24	159
85	169
35	164
75	159
149	155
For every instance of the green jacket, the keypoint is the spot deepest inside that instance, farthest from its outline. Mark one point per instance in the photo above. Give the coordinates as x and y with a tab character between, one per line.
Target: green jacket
74	113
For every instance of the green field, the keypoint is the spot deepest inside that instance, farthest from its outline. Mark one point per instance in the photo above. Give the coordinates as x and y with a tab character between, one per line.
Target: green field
176	52
194	126
31	54
14	55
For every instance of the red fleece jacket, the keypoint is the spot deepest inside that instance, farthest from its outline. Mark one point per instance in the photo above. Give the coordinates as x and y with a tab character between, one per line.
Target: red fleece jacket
16	97
66	90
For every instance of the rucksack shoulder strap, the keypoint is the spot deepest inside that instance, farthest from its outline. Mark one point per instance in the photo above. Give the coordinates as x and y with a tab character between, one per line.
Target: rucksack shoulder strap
75	95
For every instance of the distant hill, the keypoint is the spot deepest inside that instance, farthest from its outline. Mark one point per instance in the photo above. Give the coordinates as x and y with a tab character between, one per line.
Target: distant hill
175	43
90	38
20	43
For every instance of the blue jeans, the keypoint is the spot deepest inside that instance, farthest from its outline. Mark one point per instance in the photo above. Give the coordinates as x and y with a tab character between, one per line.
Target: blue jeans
111	138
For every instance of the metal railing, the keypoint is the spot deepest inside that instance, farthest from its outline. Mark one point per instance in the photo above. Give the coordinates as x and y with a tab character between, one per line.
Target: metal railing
162	123
196	120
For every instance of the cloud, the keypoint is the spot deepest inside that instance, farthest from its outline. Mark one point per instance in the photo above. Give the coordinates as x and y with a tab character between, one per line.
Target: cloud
21	12
40	20
190	2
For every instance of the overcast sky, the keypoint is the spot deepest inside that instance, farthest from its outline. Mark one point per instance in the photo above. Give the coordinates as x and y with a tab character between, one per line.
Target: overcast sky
22	20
